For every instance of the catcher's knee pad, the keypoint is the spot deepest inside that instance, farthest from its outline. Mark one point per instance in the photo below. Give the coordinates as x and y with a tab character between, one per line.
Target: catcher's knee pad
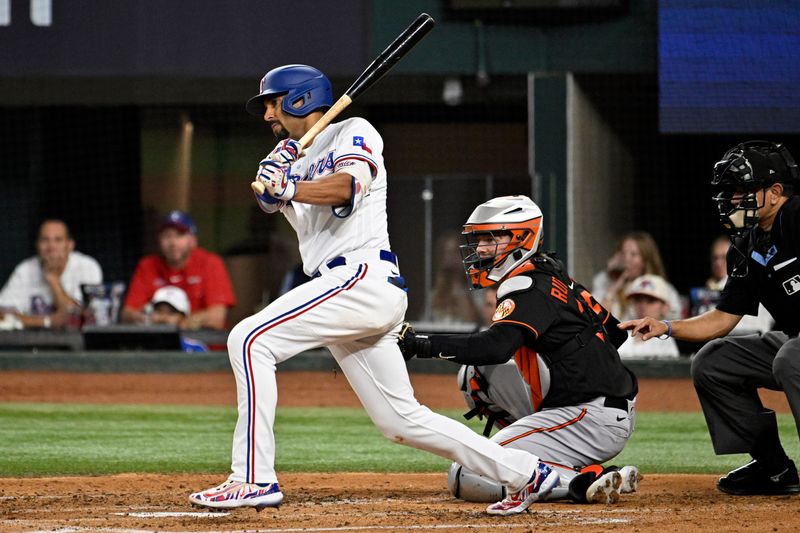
475	387
471	487
463	377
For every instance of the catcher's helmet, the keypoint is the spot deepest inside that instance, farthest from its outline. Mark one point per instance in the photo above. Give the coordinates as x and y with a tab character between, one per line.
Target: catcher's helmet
517	215
306	89
745	169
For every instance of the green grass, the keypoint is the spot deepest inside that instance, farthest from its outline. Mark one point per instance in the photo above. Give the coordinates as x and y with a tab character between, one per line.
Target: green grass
59	439
679	443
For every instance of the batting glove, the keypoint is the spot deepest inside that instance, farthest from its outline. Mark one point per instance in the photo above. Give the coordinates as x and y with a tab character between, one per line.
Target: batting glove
276	180
286	152
268	203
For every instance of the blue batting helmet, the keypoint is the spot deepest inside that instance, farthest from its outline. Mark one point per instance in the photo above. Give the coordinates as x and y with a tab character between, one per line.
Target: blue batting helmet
306	89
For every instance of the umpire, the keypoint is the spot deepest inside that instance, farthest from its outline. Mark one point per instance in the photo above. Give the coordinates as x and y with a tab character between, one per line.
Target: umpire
756	184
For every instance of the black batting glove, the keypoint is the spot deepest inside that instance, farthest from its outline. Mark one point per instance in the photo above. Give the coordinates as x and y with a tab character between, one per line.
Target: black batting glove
411	344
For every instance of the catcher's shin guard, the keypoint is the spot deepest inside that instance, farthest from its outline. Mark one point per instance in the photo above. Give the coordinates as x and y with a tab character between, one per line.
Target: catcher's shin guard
471	487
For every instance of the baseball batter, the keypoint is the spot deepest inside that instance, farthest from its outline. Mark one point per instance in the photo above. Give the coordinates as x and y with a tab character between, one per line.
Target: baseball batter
580	408
334	196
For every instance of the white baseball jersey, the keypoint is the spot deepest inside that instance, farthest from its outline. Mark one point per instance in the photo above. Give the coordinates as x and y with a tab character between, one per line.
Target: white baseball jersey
327	232
28	292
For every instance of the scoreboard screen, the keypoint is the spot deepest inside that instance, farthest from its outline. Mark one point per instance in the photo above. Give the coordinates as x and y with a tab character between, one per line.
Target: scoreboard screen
729	66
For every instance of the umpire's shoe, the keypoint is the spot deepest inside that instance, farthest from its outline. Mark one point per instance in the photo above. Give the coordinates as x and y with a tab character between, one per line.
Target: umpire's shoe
753	478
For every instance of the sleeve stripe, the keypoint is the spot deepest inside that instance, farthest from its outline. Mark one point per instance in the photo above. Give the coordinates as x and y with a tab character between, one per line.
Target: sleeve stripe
357	157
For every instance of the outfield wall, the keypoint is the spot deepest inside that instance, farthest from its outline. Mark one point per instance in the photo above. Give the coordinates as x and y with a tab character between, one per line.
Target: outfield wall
178	362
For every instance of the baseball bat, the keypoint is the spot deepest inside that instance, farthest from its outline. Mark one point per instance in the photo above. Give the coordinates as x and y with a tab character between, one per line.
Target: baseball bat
374	72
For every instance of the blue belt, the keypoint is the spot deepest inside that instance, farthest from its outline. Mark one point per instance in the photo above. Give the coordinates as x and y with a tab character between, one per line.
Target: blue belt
385	255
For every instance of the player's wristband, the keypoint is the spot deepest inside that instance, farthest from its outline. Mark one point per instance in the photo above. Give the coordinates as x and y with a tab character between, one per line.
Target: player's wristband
46	322
668	334
422	346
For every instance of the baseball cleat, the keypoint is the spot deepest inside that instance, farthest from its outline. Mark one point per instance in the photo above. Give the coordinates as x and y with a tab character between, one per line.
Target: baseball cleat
631	477
233	494
754	478
605	488
543	480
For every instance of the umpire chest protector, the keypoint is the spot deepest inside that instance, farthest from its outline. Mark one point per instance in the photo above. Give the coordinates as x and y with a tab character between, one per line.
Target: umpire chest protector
568	329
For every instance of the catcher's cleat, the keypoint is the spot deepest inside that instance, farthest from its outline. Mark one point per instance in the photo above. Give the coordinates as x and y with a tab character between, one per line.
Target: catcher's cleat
631	477
233	494
605	488
543	480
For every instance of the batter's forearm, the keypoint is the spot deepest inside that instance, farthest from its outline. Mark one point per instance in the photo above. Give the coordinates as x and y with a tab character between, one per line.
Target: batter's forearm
333	190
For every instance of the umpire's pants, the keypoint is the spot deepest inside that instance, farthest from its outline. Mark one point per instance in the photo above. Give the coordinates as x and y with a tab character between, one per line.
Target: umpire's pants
727	373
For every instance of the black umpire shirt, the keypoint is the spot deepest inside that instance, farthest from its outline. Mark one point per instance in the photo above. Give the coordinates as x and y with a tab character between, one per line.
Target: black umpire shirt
773	271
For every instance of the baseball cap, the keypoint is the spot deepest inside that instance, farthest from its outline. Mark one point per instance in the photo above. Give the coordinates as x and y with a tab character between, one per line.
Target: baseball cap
180	221
649	285
174	296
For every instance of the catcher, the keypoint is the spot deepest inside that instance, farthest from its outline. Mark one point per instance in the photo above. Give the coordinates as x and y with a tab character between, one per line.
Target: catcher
582	399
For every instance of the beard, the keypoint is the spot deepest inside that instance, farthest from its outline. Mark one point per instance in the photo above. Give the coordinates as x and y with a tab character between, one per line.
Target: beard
282	132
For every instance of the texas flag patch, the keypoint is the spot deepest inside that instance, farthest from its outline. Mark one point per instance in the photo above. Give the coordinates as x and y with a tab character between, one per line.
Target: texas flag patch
359	141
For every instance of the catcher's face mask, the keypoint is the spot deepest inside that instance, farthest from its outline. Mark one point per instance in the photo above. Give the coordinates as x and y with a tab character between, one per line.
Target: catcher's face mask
500	235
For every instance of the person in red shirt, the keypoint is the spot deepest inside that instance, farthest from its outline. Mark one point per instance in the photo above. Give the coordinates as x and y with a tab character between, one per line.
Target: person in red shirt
200	273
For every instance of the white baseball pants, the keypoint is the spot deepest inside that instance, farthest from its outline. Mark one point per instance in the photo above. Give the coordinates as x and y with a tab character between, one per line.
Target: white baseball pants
354	311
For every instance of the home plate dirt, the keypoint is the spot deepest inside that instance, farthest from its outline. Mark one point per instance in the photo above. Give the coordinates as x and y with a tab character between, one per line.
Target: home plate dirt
372	502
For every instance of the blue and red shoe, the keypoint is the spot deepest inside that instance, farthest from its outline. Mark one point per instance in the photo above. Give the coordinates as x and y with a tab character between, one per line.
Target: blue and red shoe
543	480
233	494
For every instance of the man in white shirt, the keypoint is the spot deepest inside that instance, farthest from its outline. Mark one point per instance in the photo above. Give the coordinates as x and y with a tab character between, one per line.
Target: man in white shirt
43	289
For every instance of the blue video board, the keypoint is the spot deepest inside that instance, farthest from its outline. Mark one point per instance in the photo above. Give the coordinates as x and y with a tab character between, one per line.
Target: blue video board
729	66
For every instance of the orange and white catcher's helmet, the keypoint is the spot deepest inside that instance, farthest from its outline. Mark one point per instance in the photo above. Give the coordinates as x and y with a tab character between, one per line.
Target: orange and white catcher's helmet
517	215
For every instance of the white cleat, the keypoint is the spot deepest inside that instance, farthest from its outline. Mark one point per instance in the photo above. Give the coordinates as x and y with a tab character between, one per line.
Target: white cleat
631	477
605	489
233	494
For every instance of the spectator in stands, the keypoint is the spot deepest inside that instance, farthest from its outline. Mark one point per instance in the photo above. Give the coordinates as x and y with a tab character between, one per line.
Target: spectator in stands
44	291
182	263
648	295
635	254
451	302
170	305
719	264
